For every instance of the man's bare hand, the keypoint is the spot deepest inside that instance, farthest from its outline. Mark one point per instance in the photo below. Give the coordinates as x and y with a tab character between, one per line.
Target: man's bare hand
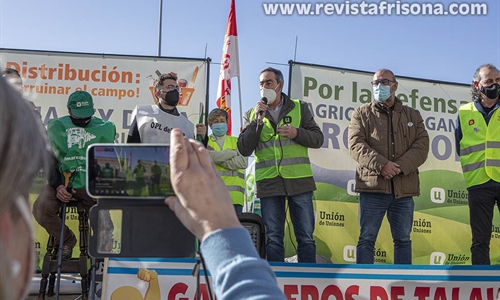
390	170
260	107
201	129
288	131
63	195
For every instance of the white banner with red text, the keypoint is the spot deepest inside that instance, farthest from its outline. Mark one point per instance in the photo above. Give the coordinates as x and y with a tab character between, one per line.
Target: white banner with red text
171	279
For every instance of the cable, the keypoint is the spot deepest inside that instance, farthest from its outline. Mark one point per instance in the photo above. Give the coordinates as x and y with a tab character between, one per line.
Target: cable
287	200
196	273
205	271
289	231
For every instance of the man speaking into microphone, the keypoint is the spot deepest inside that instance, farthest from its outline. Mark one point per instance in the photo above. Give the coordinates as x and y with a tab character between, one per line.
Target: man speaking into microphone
280	132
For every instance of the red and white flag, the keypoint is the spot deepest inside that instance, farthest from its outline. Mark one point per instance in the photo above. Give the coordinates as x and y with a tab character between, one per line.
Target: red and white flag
230	66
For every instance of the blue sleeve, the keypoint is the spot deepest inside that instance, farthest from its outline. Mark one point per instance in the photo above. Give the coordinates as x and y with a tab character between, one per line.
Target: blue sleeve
237	270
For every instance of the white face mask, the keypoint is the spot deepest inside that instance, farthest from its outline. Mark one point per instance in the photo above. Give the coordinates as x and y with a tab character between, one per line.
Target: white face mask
25	212
270	94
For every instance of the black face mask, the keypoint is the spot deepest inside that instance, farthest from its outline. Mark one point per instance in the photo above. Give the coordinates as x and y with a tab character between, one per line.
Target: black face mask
492	91
172	98
81	122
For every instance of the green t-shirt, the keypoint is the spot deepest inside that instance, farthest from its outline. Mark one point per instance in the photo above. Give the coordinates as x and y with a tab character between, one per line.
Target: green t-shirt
69	144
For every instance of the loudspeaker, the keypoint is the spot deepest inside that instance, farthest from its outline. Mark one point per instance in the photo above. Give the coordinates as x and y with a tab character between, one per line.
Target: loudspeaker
255	226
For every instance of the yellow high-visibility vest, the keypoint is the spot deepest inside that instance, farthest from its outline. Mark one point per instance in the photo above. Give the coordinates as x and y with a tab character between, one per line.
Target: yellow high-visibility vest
278	156
234	180
480	146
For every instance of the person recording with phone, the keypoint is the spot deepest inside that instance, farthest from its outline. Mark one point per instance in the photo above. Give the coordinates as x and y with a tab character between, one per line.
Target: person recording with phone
69	137
13	77
280	132
203	204
23	154
153	123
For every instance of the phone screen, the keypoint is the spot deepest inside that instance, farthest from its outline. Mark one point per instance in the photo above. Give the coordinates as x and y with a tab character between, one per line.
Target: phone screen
126	170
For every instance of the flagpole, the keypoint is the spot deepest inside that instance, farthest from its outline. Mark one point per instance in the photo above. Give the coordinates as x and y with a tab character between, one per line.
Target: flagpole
245	194
239	99
159	27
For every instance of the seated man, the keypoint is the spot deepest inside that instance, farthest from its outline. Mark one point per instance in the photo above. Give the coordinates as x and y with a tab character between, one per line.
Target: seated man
69	137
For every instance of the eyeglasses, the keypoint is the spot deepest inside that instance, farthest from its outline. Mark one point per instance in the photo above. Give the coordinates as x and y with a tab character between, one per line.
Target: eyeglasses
170	87
383	82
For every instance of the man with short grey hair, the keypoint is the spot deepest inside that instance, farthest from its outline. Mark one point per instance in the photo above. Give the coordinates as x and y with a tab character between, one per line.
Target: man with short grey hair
280	130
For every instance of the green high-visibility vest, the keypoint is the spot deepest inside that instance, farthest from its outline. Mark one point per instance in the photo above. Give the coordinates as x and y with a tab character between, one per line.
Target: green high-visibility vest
278	156
70	142
234	180
480	146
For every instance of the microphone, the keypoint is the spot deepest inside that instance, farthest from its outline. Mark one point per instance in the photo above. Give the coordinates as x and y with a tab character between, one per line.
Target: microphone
259	116
69	187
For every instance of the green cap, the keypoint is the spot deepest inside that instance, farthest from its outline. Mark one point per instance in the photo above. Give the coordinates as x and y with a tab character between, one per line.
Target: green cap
80	104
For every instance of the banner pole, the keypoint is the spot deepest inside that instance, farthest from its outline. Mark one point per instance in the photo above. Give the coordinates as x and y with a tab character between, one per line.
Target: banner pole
159	27
208	61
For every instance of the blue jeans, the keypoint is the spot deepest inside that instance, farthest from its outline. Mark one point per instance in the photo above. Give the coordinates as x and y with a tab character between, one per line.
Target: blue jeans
302	214
238	208
372	208
481	207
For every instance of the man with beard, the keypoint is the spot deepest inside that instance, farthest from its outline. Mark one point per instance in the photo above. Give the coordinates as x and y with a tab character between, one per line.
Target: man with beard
478	141
69	138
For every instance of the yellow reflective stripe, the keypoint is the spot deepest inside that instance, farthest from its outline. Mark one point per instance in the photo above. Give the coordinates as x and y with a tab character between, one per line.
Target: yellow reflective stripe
493	162
271	143
235	188
232	174
473	167
492	144
479	147
283	162
472	149
265	164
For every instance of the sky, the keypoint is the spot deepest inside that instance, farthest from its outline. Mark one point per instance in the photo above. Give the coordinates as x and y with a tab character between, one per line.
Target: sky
447	48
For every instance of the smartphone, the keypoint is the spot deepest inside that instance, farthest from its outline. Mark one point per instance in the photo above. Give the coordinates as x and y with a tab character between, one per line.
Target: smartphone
139	171
122	223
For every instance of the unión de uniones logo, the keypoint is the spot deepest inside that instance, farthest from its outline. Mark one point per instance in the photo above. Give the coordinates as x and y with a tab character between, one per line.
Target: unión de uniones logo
437	258
351	185
440	258
350	253
438	195
331	219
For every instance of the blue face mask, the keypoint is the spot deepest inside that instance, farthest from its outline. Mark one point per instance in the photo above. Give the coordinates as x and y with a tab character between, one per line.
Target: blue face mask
382	92
219	129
